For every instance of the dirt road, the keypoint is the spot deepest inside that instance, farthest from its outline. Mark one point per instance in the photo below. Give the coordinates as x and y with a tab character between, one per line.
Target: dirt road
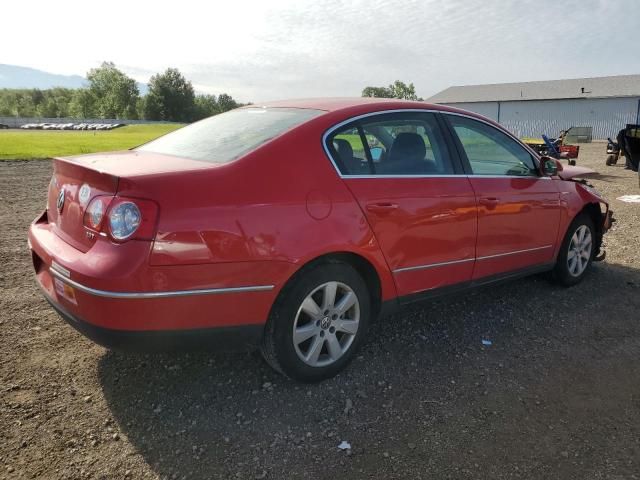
556	394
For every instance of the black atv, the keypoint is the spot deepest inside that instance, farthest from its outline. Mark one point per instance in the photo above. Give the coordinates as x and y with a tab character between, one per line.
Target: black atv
627	144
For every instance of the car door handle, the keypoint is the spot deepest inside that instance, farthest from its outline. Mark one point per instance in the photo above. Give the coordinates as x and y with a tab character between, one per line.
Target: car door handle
381	207
489	201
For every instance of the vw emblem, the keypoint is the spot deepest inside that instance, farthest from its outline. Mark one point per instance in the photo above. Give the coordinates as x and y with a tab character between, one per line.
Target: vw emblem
60	201
325	323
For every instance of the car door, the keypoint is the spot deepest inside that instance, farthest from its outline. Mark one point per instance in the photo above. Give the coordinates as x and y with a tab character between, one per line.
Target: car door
414	195
518	208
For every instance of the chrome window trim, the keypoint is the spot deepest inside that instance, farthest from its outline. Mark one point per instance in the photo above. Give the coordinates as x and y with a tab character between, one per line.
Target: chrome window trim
462	175
174	293
420	110
464	260
480	175
349	177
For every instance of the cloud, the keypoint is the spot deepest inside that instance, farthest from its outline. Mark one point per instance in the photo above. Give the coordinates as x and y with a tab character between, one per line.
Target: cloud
285	48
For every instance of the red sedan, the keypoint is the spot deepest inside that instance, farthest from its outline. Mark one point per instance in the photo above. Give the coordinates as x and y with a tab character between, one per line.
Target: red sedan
294	224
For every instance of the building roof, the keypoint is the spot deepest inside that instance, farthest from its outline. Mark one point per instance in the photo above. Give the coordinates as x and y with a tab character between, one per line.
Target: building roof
597	87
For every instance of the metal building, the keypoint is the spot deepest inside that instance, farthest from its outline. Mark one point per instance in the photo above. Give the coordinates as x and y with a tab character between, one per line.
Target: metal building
530	109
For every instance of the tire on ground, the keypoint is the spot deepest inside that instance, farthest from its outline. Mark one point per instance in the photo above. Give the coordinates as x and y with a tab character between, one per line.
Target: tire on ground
561	272
278	347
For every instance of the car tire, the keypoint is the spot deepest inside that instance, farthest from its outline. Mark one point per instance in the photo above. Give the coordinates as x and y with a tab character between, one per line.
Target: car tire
577	252
327	333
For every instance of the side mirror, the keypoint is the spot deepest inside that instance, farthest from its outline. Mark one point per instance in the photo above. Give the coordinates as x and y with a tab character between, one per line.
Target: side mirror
550	166
376	153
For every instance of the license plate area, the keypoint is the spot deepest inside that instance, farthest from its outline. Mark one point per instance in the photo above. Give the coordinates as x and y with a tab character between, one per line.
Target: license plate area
65	291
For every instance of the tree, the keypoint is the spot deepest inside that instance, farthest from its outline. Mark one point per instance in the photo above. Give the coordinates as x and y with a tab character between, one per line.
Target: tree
205	106
115	93
208	105
377	92
54	102
171	97
226	103
140	106
397	89
83	104
402	90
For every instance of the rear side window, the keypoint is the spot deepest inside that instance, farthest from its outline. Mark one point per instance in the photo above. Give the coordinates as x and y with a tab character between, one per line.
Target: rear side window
394	144
227	136
348	146
490	151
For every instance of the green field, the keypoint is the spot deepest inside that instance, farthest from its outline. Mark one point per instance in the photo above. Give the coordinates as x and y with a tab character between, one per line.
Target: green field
28	144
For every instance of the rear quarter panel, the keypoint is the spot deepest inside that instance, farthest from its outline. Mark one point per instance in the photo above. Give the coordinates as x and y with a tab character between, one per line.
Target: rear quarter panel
282	204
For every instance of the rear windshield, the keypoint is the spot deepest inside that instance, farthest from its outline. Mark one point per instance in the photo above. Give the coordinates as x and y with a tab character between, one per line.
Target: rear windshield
225	137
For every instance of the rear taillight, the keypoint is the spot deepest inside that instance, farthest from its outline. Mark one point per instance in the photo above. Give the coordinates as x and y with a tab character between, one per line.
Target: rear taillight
94	214
122	218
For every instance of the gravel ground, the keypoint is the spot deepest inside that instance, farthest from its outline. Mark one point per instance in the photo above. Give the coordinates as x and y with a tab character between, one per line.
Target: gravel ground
556	395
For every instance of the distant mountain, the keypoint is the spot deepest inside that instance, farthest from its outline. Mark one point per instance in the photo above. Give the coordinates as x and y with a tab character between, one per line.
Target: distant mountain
13	76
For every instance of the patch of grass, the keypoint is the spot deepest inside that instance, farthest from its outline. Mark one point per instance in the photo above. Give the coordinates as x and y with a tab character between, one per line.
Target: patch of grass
29	144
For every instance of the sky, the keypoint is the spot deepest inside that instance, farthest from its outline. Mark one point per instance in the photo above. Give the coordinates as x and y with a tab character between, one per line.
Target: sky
275	49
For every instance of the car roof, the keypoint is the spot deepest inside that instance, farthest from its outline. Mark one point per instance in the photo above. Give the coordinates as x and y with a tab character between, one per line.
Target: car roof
341	103
350	106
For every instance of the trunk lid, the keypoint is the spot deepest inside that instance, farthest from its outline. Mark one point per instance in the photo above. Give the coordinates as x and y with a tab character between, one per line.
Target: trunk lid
71	189
84	177
134	163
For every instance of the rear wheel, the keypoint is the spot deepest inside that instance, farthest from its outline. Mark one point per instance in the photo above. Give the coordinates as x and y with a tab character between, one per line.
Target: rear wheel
577	251
318	323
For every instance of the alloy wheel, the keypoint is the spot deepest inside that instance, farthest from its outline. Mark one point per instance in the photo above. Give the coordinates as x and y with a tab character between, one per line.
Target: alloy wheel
579	251
326	324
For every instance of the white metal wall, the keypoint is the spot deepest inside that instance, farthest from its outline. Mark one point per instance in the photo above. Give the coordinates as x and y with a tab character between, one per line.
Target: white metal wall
487	109
534	117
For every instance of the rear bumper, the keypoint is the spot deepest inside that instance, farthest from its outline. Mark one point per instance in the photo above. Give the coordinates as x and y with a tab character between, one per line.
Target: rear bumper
222	338
112	295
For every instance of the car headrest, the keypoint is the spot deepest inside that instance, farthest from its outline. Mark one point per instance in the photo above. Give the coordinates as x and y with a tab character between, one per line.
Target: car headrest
407	147
344	149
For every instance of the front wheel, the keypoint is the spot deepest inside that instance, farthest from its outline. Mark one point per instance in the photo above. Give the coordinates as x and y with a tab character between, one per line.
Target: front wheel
577	251
318	323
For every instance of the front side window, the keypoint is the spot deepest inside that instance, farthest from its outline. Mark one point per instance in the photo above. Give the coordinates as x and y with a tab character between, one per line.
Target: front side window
227	136
392	144
490	151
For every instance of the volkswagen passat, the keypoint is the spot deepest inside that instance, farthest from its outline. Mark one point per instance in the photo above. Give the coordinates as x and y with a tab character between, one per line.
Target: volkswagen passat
294	224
